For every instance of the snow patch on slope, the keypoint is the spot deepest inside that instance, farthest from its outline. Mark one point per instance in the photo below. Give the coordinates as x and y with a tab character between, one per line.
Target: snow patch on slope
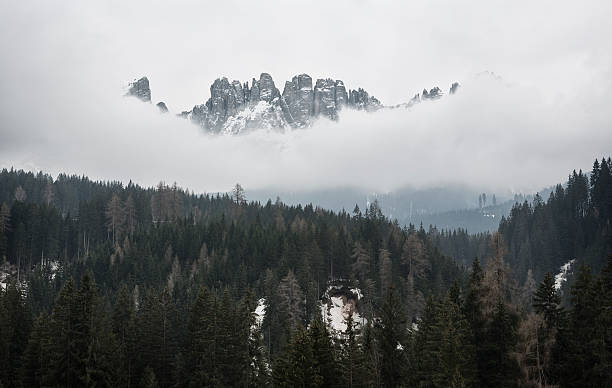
561	277
262	115
338	304
260	311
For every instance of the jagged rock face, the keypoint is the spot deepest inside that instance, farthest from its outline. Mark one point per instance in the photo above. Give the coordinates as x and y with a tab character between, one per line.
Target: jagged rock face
234	107
238	92
297	101
325	98
360	99
288	103
433	93
162	107
263	90
225	100
140	89
199	115
341	96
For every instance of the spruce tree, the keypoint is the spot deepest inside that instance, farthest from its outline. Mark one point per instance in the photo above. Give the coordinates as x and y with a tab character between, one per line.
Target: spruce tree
391	335
473	310
15	326
35	361
500	368
124	331
296	367
65	362
324	358
546	301
201	331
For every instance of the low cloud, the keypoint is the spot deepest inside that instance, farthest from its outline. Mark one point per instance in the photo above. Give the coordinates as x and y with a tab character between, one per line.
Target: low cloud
62	108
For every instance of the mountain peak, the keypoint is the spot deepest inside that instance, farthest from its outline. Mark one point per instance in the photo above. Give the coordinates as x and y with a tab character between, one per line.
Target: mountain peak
140	89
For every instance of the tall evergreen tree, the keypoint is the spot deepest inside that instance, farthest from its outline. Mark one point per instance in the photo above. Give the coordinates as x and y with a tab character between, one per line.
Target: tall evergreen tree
15	326
391	335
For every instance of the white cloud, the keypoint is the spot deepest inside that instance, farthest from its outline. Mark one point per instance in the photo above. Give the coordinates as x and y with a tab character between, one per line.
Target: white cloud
64	64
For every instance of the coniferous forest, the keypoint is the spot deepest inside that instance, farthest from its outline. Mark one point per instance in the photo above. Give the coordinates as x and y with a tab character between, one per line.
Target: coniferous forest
113	285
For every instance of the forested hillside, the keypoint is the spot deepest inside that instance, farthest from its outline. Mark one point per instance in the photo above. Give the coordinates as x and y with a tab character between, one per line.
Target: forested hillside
113	285
160	248
542	235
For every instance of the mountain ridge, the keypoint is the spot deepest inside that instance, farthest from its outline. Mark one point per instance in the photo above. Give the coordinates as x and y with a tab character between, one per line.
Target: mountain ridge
234	107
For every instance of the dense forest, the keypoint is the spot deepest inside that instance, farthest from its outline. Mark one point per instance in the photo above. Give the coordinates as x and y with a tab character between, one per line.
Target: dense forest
541	236
117	285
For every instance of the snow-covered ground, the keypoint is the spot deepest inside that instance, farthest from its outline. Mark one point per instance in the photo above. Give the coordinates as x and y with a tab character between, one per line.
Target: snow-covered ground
337	311
338	304
561	277
334	309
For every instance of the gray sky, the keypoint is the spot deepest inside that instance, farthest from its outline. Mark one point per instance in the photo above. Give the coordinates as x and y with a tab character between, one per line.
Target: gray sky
64	65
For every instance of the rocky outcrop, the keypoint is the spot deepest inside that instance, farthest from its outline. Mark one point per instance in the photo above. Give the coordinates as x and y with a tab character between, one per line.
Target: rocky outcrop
225	100
433	94
297	101
162	107
140	89
341	96
234	107
360	99
454	87
263	90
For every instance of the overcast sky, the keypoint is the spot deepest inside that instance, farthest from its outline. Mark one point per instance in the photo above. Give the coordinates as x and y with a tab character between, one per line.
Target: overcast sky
64	65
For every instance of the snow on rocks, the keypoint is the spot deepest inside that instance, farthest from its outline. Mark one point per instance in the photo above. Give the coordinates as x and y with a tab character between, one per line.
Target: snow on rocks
340	302
561	277
260	311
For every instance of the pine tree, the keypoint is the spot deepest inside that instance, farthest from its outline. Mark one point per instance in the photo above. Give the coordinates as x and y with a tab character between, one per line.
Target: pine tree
96	341
386	271
546	301
65	367
500	368
352	362
473	310
201	331
124	331
391	335
372	359
296	366
323	353
292	299
115	218
15	326
444	355
156	340
35	360
582	350
361	261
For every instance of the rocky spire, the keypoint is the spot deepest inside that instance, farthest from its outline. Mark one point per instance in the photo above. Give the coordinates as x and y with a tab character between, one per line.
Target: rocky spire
454	87
140	89
162	107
